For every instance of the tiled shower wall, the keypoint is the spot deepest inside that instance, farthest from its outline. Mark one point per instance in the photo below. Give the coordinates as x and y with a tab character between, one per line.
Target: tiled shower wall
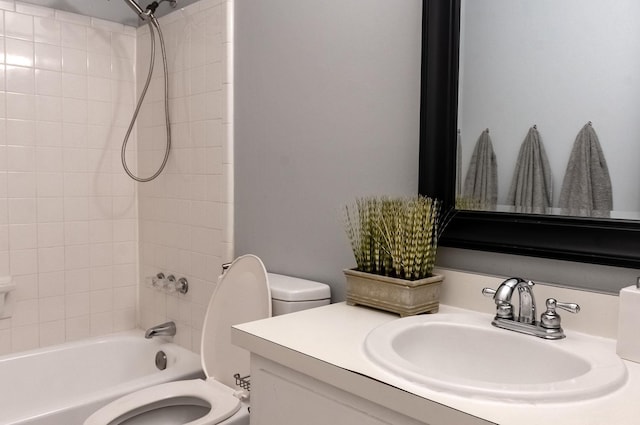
68	214
185	214
68	220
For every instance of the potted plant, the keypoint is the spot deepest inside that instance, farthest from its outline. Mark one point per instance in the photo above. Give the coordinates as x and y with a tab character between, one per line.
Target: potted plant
394	242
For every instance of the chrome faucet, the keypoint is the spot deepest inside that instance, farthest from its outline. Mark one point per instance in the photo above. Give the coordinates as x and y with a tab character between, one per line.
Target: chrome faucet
164	329
547	327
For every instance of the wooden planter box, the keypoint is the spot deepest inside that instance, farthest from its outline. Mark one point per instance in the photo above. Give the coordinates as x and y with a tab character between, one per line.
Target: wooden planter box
403	297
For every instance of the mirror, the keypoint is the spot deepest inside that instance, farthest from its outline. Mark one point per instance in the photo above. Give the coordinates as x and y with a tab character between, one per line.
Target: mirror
534	73
589	239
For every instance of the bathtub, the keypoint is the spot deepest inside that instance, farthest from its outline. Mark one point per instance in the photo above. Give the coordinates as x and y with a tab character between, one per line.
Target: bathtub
64	384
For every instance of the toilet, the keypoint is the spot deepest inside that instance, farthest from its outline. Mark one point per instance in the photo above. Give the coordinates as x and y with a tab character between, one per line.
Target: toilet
291	294
243	294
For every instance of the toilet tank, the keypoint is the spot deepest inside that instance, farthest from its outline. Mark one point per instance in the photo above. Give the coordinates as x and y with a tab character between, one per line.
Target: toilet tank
290	294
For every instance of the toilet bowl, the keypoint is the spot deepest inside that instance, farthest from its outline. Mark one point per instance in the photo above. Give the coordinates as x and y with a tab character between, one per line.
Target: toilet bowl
242	295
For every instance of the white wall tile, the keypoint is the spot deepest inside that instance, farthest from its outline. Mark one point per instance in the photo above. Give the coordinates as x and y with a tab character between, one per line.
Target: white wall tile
123	46
74	86
22	211
77	304
74	35
51	308
23	261
76	281
108	25
20	158
74	111
51	284
50	185
47	30
52	333
48	159
72	18
7	5
26	287
99	89
50	210
77	328
19	52
19	79
76	232
51	235
74	61
48	82
77	257
48	56
20	106
48	108
36	11
2	50
51	259
21	185
22	236
98	65
17	25
49	134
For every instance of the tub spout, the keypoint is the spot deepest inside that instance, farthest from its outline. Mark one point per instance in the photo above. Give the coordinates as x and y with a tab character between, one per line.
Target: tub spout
165	329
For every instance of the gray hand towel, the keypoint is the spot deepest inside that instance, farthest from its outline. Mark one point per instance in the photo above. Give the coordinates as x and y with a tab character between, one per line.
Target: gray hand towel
586	189
459	165
481	182
531	187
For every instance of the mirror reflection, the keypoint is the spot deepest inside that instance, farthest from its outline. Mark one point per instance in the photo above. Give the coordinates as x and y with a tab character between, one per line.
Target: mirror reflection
549	95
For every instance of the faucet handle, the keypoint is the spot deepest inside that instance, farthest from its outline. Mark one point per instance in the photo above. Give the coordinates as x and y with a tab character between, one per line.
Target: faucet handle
570	307
550	319
488	292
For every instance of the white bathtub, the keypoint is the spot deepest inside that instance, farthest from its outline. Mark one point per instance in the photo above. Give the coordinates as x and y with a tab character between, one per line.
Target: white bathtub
64	384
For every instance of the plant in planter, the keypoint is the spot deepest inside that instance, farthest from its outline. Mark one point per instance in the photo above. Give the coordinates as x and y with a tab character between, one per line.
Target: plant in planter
394	242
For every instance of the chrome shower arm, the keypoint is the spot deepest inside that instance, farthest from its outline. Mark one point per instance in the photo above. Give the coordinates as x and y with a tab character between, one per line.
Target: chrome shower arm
136	8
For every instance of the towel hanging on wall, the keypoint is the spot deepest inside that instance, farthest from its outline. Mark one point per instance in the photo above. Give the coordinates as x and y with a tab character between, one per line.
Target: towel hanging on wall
481	182
586	189
531	188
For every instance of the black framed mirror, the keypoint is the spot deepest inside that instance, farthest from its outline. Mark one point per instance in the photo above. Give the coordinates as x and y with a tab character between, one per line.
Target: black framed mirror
581	239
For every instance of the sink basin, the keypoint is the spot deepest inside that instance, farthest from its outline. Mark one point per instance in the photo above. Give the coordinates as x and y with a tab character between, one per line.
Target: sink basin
464	355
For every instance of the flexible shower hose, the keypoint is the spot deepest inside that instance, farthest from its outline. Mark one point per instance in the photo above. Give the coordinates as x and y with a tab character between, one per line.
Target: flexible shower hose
152	22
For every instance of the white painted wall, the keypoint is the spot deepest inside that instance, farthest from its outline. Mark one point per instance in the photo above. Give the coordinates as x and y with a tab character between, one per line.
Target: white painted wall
557	64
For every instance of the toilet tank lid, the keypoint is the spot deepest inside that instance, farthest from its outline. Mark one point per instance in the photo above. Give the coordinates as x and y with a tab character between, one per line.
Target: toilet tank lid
287	288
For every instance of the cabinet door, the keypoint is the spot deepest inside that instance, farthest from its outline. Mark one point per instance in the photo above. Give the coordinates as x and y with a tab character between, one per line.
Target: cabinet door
280	396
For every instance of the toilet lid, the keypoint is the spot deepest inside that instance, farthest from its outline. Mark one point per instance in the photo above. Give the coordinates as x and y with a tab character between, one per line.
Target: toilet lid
241	295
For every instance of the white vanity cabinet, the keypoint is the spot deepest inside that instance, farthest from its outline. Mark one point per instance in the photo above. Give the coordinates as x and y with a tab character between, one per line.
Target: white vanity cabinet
292	383
280	396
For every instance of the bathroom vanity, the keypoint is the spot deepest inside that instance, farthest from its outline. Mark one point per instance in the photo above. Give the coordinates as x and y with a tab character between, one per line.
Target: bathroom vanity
310	367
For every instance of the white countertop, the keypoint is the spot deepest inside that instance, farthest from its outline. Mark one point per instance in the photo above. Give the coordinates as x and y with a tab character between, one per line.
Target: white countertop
333	335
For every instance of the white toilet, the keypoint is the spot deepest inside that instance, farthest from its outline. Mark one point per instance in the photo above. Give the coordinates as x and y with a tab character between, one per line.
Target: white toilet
243	294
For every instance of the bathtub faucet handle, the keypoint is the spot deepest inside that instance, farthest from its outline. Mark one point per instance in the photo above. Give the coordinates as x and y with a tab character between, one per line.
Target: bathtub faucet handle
164	329
159	281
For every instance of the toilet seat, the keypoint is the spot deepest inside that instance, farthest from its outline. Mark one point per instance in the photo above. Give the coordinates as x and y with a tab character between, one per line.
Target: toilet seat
241	295
196	391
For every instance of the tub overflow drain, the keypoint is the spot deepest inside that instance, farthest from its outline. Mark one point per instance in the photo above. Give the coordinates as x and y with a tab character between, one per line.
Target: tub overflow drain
161	360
